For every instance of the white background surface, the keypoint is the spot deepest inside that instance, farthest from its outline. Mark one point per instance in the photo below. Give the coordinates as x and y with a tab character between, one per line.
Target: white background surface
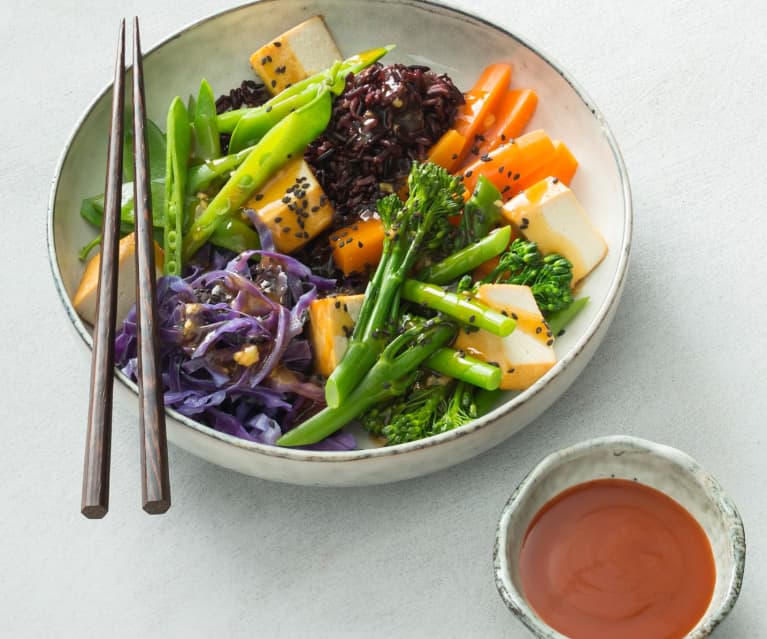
683	88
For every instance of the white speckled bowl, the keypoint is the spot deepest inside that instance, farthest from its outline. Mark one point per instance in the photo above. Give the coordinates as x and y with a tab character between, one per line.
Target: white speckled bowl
661	467
218	49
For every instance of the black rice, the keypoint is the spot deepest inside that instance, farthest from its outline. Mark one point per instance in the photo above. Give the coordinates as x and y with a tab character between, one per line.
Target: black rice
387	117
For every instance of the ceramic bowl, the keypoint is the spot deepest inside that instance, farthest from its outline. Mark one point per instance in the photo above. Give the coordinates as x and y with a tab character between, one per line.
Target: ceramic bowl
218	48
661	467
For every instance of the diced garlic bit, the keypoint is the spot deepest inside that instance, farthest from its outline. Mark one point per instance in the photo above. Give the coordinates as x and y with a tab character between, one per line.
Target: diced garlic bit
527	353
549	214
304	50
84	299
331	322
293	205
247	355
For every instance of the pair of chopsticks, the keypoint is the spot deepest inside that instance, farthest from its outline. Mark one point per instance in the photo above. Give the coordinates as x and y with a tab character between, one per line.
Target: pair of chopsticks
155	482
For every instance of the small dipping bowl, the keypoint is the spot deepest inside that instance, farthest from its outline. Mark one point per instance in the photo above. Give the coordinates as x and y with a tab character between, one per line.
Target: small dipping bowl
658	466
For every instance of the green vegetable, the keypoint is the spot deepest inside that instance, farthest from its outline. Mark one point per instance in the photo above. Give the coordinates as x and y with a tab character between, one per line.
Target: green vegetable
287	138
334	78
235	235
155	149
549	277
481	214
468	258
254	125
457	306
458	365
561	318
412	229
178	136
201	176
423	412
207	144
391	375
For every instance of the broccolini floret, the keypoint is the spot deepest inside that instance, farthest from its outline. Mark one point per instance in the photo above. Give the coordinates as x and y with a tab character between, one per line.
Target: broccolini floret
423	412
549	277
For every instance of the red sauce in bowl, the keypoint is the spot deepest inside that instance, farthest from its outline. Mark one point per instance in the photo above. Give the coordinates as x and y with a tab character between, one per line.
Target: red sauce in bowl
612	559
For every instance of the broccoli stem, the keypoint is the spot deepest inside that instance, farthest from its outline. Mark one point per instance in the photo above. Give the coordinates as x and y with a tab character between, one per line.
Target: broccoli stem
458	365
467	259
457	306
559	319
411	227
391	375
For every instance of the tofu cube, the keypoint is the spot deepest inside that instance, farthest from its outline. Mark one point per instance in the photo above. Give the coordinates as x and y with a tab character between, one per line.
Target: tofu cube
549	214
304	50
85	297
293	205
331	321
527	353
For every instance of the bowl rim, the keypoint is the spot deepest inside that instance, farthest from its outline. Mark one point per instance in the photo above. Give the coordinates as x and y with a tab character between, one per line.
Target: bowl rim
511	405
514	599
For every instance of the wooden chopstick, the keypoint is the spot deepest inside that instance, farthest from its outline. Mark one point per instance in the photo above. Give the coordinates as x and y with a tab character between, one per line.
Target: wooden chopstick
155	481
98	444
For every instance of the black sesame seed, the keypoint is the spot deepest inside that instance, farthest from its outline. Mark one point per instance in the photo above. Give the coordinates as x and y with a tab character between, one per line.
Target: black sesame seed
472	319
516	176
338	304
549	342
277	219
277	44
538	330
485	158
259	196
468	173
273	83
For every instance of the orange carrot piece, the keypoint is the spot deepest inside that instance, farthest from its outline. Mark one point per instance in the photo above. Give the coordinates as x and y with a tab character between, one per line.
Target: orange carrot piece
480	101
446	151
514	112
561	165
358	248
507	165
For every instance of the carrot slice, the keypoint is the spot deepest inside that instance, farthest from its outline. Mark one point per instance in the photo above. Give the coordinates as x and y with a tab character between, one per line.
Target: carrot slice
514	112
446	151
472	117
358	248
507	165
561	165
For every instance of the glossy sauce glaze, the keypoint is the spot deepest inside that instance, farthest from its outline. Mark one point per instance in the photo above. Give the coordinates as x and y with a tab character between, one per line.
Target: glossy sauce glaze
612	558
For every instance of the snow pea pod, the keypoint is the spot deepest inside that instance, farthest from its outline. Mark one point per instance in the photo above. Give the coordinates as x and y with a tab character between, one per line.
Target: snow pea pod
178	138
207	144
235	235
201	176
282	142
481	213
334	78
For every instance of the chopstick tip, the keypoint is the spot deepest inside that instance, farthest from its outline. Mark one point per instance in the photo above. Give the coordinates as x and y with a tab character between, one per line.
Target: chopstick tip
94	511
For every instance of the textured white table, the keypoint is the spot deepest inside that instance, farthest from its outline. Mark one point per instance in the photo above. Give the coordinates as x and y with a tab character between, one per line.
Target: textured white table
683	88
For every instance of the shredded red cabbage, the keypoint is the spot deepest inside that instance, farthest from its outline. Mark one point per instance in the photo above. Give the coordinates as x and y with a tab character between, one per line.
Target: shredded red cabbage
232	348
